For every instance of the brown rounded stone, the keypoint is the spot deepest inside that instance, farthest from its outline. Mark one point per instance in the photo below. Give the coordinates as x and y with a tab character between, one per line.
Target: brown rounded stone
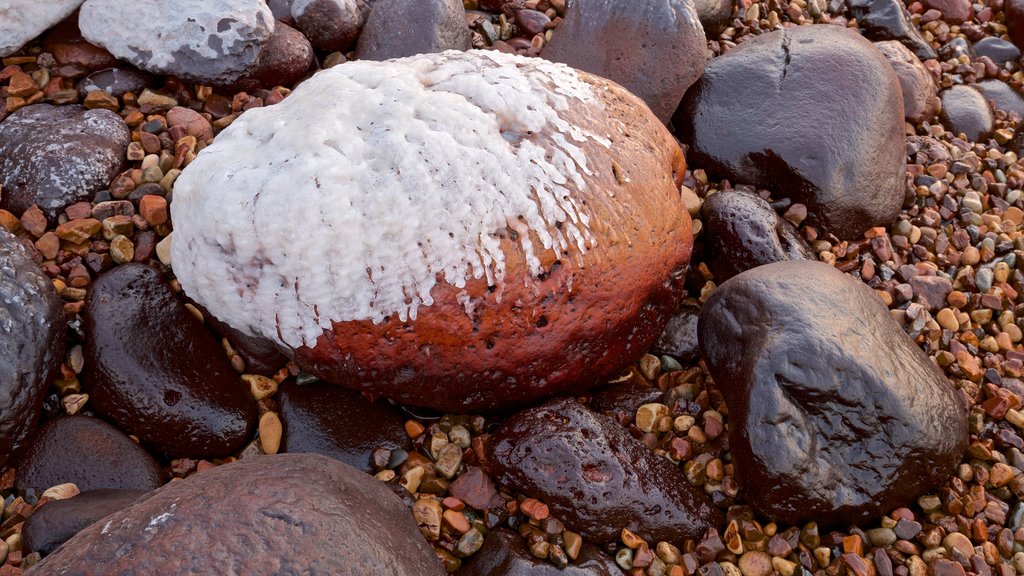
920	102
88	453
284	60
397	28
69	47
286	514
56	522
331	25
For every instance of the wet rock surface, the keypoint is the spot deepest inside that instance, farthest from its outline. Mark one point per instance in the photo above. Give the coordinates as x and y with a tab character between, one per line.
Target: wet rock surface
155	370
999	50
326	419
315	499
919	100
595	477
654	48
213	42
54	156
389	31
1002	96
505	554
744	232
88	453
851	116
31	343
679	339
57	521
792	368
965	111
889	20
330	25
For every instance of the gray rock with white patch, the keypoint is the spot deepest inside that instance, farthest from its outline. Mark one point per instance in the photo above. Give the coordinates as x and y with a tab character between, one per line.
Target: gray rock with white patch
23	20
206	41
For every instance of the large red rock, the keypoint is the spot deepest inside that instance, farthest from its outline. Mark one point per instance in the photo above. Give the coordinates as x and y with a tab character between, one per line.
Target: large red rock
537	248
283	514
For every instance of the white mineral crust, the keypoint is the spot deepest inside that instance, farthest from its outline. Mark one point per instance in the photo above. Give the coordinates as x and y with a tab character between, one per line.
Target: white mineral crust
23	20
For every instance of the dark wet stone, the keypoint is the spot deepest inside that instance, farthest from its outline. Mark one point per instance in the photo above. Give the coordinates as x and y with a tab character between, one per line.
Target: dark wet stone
289	513
744	232
597	478
1013	12
999	50
654	48
327	419
679	339
283	61
261	356
889	20
31	343
54	156
955	48
397	28
330	25
758	110
68	47
625	397
156	371
1002	96
953	11
797	347
90	454
920	102
505	553
56	522
714	15
965	111
116	81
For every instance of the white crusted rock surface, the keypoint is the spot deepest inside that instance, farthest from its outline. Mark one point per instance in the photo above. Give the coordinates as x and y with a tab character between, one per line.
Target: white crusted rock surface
206	41
23	20
434	192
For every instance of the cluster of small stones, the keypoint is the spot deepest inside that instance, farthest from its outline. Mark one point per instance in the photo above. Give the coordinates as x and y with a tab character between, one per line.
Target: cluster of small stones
951	270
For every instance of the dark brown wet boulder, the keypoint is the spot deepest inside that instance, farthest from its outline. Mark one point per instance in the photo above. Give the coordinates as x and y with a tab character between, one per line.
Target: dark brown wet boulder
1001	96
597	478
283	514
154	369
326	419
1013	11
813	113
88	453
624	397
283	60
835	414
54	156
889	20
56	522
504	553
399	28
919	99
965	111
744	232
330	25
654	48
679	339
31	343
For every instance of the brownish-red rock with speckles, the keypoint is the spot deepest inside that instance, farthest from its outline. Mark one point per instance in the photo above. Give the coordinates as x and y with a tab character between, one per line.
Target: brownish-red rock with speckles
283	514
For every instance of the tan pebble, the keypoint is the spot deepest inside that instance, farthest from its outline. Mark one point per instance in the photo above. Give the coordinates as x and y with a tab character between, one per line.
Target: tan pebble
163	250
647	415
122	250
60	492
270	432
73	403
691	201
412	478
823	556
260	387
783	566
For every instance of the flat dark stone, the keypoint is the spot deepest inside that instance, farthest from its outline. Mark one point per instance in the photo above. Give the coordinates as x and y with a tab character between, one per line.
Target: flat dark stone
289	514
835	414
679	339
595	477
56	522
1002	96
999	50
889	20
327	419
399	28
157	372
504	553
54	156
88	453
965	111
31	343
813	113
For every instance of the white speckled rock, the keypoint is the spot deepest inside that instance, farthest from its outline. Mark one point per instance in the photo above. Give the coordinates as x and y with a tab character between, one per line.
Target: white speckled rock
23	20
450	194
206	41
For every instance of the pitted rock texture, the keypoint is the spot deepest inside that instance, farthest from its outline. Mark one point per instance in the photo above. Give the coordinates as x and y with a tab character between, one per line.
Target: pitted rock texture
23	20
597	478
88	453
813	113
835	414
399	28
155	370
655	49
31	343
498	269
56	522
205	41
744	232
309	515
54	156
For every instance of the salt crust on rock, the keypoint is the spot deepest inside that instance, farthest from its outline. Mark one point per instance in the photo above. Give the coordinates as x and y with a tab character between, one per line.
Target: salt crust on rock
201	40
23	20
374	181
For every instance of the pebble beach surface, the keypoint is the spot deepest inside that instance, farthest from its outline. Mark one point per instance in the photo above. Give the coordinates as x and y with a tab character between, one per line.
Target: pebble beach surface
797	352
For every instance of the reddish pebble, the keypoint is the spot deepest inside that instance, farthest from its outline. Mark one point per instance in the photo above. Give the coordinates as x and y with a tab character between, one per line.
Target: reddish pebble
154	209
